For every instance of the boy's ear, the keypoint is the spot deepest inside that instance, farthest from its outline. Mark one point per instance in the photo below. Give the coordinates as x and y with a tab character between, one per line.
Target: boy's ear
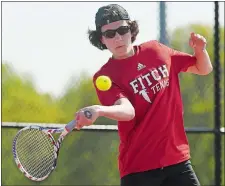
102	40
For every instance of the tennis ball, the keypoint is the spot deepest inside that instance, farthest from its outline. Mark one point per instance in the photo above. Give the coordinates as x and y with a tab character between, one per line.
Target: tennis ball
103	83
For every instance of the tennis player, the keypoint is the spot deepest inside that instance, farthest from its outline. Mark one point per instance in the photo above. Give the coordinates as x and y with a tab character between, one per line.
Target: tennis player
145	99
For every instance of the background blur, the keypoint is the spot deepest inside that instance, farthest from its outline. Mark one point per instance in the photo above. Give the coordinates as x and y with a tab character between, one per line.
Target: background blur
47	65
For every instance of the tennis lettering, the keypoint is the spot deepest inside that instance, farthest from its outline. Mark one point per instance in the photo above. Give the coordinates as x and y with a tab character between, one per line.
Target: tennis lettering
160	85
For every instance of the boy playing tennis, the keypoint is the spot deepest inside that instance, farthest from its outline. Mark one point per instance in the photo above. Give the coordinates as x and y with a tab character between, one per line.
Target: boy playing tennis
145	99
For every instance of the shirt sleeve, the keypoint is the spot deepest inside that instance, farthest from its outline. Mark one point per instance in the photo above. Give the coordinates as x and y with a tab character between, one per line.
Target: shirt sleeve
109	97
180	61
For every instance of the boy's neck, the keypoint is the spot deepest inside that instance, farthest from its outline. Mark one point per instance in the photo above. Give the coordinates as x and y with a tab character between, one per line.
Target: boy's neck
129	54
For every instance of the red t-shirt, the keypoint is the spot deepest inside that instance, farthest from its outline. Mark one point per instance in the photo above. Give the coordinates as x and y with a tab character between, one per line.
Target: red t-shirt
156	137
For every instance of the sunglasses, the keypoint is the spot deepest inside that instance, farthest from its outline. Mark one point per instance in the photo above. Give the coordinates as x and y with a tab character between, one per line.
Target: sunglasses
111	33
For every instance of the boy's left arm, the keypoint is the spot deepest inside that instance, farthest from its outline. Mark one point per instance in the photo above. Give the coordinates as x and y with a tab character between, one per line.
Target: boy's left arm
203	64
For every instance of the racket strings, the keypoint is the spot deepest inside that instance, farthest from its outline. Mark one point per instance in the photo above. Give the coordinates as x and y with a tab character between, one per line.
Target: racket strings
35	152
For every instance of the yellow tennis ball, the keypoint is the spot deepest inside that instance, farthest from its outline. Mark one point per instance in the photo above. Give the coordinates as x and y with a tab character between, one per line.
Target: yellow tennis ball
103	83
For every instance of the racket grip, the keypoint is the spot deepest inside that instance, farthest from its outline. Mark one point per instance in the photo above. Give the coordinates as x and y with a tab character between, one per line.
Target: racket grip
70	126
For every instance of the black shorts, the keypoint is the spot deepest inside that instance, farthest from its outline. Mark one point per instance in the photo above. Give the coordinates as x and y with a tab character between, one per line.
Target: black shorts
181	174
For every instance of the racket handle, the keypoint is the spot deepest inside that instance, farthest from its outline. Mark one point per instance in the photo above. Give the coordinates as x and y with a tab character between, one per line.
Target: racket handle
70	126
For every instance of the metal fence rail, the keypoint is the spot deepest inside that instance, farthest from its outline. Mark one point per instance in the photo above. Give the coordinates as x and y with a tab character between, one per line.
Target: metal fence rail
104	128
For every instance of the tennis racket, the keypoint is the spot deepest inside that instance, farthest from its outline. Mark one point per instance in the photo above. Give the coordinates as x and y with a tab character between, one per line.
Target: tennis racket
35	151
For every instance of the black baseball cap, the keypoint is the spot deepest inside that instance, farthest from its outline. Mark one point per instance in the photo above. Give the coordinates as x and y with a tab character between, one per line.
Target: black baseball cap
110	13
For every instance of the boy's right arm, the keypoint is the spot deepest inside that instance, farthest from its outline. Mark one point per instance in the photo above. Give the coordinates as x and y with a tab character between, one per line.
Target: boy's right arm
122	110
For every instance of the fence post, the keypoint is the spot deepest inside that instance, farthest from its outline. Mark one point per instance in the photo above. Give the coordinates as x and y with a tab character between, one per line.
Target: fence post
217	95
163	38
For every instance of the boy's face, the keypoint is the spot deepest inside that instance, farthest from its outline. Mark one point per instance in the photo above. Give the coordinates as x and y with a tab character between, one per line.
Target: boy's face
119	43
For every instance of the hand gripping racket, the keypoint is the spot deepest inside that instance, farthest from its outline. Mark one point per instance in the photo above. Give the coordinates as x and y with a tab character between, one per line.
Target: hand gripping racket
35	151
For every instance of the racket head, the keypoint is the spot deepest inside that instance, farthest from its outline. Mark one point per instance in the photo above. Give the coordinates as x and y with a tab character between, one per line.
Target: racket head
35	152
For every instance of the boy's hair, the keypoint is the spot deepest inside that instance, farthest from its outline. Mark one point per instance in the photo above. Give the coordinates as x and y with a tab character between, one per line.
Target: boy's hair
95	35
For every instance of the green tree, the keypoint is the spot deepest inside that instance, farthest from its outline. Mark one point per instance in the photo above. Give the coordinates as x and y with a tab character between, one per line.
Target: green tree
22	103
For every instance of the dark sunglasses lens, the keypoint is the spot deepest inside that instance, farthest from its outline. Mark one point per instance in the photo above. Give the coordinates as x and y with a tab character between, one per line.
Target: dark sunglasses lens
110	33
123	30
